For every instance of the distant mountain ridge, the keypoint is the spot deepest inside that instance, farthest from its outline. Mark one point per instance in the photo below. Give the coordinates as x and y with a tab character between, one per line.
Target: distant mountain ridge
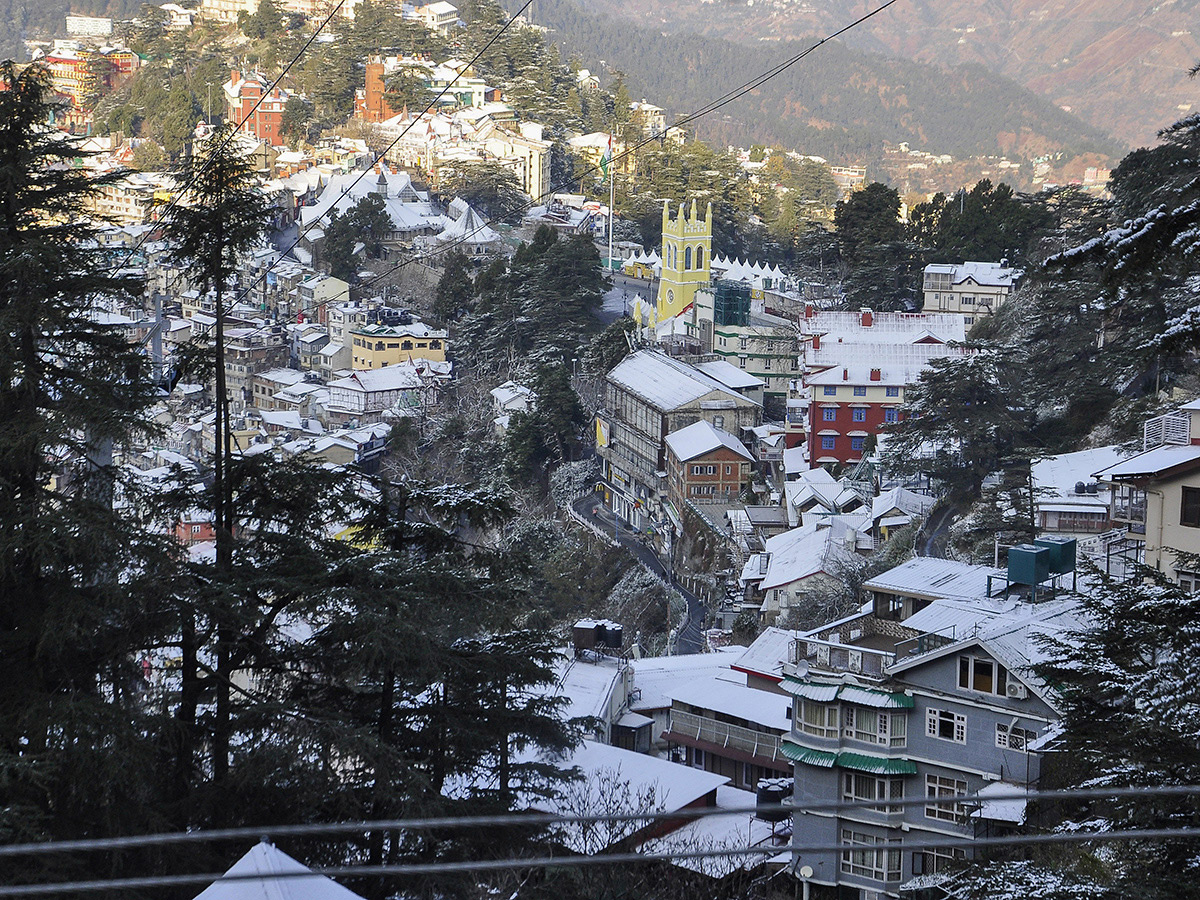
837	102
1119	65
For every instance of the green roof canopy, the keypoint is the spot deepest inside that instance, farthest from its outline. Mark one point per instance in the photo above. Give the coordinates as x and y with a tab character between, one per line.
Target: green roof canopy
824	692
858	762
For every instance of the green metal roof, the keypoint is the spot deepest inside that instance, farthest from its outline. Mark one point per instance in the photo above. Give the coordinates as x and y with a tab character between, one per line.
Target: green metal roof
876	765
823	692
809	757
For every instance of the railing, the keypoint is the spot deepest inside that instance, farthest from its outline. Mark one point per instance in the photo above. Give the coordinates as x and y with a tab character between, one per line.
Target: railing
928	642
837	657
734	737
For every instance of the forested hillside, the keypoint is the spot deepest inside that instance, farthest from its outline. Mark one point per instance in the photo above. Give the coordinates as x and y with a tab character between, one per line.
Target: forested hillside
22	20
837	102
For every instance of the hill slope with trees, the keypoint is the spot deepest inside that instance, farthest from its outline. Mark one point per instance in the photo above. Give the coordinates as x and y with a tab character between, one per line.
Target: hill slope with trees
838	103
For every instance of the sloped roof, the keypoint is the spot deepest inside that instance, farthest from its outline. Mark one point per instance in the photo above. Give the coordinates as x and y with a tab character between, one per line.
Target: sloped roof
667	383
1154	463
269	861
701	438
934	578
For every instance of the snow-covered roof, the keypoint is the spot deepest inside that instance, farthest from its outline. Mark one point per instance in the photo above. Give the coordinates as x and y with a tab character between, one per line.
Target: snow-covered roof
803	552
469	228
932	578
389	378
408	209
719	833
729	374
269	862
1153	463
701	438
907	502
985	273
767	654
1061	473
654	677
667	383
730	698
1009	809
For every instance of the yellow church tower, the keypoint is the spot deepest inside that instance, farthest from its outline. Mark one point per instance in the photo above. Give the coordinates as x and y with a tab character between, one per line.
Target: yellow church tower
686	259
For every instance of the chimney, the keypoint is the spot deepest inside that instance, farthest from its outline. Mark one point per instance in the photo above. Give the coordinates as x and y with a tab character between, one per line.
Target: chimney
845	374
808	311
816	342
876	375
868	318
235	76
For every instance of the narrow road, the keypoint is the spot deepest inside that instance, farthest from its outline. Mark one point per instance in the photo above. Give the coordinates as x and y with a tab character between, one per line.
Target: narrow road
690	638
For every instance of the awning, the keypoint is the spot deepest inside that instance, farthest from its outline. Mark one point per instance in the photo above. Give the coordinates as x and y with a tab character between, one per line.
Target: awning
851	693
634	720
820	692
809	757
876	765
808	690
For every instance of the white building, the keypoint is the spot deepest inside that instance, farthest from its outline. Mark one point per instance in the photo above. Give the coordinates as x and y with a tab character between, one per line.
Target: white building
972	289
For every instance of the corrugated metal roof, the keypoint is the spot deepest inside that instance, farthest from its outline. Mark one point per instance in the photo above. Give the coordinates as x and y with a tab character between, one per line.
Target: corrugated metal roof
809	757
1153	462
934	579
880	699
819	693
666	383
876	765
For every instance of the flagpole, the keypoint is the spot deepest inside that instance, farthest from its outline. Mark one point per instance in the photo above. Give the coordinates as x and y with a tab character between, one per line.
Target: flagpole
612	193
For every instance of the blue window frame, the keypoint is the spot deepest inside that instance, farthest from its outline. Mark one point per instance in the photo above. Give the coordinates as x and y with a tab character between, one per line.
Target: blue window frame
827	442
892	391
856	443
829	415
891	415
830	390
860	391
859	415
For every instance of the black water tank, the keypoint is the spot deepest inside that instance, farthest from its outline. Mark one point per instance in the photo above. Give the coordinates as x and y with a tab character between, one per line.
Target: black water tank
772	792
614	636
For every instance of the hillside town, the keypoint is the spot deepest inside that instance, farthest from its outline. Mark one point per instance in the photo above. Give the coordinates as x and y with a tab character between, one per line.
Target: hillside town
483	446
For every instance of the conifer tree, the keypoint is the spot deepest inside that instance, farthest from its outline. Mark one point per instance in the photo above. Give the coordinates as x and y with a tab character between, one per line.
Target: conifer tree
73	746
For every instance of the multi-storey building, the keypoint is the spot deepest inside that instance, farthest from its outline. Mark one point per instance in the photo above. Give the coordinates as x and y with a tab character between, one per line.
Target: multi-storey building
930	694
973	289
705	463
647	396
264	122
1156	497
857	367
379	345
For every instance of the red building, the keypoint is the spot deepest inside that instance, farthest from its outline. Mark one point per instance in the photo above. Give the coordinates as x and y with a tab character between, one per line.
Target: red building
705	463
241	95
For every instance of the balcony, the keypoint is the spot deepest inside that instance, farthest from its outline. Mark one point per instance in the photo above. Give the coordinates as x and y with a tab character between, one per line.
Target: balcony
833	656
733	737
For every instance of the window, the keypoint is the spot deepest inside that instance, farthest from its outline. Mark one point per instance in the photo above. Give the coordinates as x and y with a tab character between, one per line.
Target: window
743	343
939	859
949	726
818	719
1010	737
742	361
195	529
766	362
392	345
729	470
828	414
827	442
983	675
859	415
888	729
860	391
872	861
938	787
712	470
687	257
858	788
830	390
406	345
891	416
1189	512
892	391
697	470
699	257
858	443
718	421
698	758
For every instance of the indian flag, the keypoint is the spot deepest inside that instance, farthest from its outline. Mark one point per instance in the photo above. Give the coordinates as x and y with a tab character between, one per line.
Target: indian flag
606	157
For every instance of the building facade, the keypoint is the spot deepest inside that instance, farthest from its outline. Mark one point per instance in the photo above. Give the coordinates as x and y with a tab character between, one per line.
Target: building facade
973	289
686	259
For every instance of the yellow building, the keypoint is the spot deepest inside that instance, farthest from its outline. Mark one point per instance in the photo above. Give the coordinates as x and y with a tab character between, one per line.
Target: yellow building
377	346
686	259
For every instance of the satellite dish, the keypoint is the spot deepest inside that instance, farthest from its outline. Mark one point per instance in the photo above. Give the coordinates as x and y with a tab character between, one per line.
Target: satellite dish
806	872
802	669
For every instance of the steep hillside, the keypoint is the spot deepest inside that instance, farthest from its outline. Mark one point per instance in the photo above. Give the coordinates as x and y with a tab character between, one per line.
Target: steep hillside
1119	65
838	102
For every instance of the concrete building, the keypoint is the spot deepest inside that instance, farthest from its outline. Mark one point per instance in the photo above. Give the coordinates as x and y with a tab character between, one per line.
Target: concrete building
972	289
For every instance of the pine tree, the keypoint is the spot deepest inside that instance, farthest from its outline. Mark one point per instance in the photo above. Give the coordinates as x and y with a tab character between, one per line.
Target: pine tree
73	738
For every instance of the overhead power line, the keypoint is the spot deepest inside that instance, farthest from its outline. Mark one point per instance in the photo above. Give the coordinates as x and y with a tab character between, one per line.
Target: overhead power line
705	110
181	192
536	819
